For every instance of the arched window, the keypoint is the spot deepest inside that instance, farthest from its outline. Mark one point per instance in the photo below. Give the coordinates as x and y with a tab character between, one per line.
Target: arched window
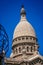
23	38
31	48
31	38
26	38
27	49
19	49
15	39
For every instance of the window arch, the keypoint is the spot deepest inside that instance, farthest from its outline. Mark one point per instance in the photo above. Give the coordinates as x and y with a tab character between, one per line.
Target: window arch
15	39
19	49
31	38
23	38
26	38
31	48
27	49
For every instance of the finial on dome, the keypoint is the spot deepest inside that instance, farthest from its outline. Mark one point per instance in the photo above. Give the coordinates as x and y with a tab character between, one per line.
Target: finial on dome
23	11
22	6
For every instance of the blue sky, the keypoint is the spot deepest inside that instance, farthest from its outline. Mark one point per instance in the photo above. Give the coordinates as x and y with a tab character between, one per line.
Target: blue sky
10	16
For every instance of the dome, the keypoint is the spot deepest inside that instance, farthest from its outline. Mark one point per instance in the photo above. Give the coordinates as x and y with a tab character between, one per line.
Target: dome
24	28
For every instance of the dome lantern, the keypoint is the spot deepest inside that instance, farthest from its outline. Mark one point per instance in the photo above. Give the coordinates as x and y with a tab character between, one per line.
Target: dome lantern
23	13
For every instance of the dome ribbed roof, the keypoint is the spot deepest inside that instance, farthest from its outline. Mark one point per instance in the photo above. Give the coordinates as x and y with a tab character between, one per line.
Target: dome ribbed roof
24	28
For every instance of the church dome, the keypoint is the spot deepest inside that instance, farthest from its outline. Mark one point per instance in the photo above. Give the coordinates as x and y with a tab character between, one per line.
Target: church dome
24	28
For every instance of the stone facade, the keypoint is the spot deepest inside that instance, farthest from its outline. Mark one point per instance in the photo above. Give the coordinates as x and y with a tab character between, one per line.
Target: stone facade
25	44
